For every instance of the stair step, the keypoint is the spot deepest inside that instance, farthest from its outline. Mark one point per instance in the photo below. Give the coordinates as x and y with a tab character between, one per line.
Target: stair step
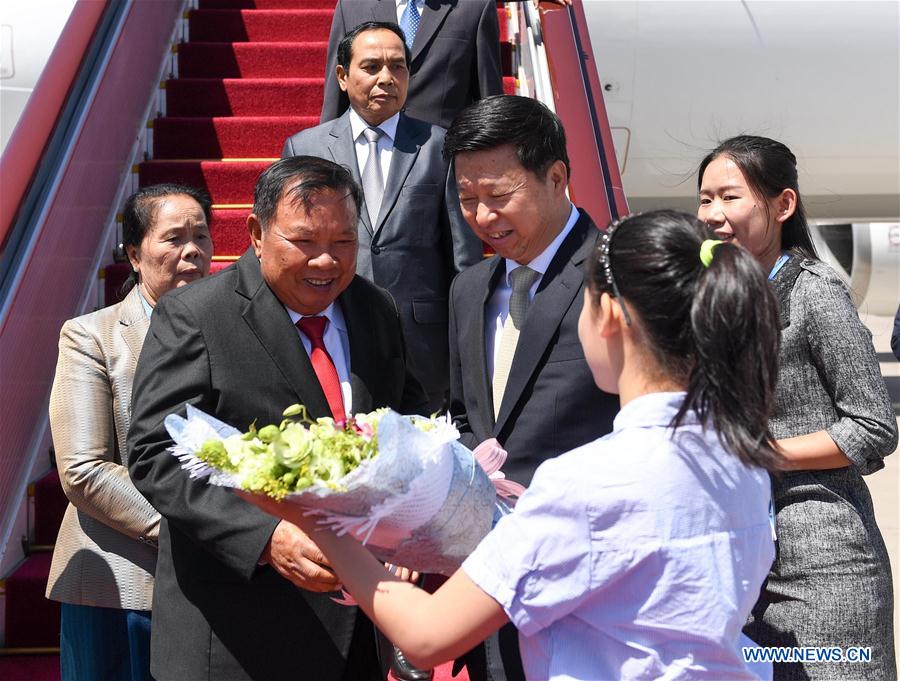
230	235
114	276
259	25
267	4
31	619
227	137
40	548
251	60
41	665
50	504
244	96
226	181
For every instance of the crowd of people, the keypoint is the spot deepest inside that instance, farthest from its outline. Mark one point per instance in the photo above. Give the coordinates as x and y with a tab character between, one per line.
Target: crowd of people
691	401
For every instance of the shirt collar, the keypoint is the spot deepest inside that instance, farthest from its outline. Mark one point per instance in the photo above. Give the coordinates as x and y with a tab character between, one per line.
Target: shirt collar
388	127
148	308
542	261
652	409
332	312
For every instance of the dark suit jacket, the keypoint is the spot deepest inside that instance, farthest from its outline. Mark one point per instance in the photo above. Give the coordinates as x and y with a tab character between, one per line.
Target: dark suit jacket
455	56
227	345
421	240
551	403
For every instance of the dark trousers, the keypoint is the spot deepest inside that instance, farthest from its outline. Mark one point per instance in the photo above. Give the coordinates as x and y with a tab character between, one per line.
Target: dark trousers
104	644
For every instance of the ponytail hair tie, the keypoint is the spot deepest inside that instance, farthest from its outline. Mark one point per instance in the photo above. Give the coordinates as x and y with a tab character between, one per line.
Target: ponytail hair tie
706	251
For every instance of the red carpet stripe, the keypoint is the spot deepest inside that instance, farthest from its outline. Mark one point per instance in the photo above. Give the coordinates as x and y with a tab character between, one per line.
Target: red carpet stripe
214	25
32	621
29	668
241	137
252	60
229	230
50	504
244	97
267	4
226	182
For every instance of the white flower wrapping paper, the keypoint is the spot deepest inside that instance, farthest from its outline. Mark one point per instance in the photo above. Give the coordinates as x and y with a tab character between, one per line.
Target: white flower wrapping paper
423	502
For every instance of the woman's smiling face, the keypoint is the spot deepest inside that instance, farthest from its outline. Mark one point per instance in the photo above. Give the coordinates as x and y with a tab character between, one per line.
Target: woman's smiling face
735	211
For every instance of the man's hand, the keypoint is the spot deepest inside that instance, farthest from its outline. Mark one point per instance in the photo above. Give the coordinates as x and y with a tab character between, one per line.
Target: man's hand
297	558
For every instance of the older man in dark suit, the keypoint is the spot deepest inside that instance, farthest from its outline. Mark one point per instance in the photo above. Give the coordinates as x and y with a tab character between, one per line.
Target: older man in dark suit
289	323
413	239
517	370
455	53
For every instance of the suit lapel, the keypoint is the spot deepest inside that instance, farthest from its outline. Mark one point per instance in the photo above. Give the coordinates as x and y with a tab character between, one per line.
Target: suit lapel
476	339
410	137
271	325
134	322
384	10
554	297
363	360
341	148
433	15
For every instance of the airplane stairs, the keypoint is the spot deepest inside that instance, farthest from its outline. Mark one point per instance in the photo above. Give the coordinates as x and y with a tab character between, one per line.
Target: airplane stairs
250	75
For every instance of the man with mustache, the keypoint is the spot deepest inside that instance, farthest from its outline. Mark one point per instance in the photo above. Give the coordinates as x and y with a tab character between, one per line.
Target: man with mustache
412	238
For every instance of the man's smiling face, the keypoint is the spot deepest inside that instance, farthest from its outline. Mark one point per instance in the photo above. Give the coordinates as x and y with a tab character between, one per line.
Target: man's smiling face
308	257
509	207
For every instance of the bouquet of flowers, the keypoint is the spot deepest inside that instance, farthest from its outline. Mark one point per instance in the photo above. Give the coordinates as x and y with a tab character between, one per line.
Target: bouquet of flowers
402	485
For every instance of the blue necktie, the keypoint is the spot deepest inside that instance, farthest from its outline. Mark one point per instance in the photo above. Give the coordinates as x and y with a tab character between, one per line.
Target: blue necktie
409	22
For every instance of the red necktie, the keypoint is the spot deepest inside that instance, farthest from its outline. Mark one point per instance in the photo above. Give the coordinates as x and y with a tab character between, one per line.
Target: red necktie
314	329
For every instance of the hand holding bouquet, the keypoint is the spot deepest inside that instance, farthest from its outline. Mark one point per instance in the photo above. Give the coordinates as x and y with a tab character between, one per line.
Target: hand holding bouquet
402	485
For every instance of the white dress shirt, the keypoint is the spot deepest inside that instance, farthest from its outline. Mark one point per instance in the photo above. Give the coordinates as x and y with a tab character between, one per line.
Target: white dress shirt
497	307
635	556
385	142
337	342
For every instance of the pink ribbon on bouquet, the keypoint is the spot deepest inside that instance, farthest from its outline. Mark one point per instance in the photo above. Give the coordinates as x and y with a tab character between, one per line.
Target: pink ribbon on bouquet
491	456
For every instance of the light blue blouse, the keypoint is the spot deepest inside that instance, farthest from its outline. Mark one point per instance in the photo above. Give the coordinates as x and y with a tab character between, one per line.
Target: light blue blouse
635	556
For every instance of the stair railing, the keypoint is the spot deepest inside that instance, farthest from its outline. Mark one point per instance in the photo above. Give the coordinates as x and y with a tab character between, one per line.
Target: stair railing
63	223
554	62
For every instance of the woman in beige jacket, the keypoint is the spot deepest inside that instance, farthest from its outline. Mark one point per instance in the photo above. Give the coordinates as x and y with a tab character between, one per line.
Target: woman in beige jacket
105	554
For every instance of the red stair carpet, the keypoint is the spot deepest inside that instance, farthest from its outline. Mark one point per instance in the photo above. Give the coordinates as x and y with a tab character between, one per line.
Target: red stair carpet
32	621
250	75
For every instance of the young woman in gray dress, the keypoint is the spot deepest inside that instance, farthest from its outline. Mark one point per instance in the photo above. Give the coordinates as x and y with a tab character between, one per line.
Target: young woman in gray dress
830	584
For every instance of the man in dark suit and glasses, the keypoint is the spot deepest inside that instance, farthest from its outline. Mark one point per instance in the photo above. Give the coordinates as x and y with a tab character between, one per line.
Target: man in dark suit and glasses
412	237
240	595
517	370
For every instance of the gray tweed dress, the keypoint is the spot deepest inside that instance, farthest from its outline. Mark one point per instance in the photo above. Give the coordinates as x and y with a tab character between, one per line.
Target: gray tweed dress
830	584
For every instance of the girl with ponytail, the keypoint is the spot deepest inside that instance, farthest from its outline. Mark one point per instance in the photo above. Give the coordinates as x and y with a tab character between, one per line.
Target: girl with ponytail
830	584
638	555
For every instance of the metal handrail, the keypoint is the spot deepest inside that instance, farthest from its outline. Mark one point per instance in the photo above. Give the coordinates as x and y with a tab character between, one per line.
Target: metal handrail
556	65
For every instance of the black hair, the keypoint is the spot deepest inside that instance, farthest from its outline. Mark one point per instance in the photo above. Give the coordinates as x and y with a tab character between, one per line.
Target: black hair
529	126
345	47
712	329
140	210
769	168
312	175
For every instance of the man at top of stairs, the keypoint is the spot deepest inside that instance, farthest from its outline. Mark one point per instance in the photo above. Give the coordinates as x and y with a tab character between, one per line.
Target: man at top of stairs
412	237
454	60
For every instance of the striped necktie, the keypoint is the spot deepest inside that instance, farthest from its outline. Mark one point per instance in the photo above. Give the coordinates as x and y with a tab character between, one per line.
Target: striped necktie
521	279
372	178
